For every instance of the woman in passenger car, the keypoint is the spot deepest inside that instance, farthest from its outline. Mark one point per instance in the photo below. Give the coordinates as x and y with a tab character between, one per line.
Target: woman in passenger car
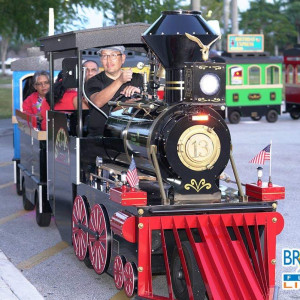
32	104
63	100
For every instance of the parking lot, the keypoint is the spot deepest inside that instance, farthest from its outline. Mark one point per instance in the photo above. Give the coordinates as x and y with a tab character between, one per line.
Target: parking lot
50	264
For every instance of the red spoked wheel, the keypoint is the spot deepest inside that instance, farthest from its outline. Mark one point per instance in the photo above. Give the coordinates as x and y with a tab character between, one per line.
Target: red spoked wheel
79	221
130	279
99	242
119	263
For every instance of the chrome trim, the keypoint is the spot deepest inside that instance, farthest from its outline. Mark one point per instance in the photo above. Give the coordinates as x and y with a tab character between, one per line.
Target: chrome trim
40	198
15	172
77	160
125	136
153	150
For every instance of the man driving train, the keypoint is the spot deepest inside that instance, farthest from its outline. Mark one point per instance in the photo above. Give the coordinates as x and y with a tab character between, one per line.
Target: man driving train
108	85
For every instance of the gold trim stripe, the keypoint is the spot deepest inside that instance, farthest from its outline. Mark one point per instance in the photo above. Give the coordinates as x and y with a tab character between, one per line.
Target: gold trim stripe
264	194
13	216
42	256
174	82
174	88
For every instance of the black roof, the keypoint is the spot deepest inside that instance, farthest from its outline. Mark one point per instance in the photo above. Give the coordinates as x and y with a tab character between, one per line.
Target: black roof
128	35
36	61
247	58
293	51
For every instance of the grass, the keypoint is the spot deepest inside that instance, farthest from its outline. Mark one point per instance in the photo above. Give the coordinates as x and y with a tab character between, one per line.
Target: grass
5	79
5	103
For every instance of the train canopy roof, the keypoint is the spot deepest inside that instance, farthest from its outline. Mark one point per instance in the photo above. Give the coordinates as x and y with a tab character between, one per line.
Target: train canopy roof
293	51
128	35
35	61
247	58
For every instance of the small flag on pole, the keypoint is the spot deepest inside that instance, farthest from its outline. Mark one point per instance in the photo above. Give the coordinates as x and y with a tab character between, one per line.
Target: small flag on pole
132	176
262	156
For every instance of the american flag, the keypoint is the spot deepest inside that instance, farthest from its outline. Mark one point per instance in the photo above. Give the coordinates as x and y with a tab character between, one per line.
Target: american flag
132	176
262	156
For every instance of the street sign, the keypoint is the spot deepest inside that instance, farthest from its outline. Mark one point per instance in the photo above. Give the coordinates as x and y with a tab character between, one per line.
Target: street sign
245	43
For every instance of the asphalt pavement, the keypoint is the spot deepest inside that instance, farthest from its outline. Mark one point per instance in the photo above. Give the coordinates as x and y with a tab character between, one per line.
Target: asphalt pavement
13	285
62	276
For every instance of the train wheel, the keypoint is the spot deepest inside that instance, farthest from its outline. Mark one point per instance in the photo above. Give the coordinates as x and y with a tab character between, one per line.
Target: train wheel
177	275
99	243
79	236
130	279
272	116
295	114
26	203
234	117
42	219
119	263
256	118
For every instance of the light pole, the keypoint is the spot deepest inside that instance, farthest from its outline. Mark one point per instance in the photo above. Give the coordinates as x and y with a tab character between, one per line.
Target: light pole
196	4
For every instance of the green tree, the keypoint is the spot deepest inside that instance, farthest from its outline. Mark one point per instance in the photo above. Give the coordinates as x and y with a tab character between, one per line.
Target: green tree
271	20
131	11
292	11
28	19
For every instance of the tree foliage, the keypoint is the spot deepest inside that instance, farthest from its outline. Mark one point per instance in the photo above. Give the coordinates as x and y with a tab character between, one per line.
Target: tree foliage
28	19
124	11
272	20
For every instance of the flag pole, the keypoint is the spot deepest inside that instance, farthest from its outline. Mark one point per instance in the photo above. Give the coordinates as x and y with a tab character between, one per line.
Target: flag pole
270	175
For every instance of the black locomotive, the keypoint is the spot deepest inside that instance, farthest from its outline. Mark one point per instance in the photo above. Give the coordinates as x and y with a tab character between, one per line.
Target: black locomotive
177	224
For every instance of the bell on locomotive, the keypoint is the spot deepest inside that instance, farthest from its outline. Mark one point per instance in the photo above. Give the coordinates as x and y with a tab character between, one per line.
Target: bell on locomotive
184	142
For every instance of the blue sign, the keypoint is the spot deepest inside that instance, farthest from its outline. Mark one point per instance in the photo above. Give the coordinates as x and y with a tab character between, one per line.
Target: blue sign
291	277
245	43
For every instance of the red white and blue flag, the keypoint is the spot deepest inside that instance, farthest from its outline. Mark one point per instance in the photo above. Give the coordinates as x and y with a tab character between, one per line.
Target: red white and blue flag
132	176
262	156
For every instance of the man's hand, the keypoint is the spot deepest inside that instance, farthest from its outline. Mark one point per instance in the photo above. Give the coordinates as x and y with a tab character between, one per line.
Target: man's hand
130	90
125	76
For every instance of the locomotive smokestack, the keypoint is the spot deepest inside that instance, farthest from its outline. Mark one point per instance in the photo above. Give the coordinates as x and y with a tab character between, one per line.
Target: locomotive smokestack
167	39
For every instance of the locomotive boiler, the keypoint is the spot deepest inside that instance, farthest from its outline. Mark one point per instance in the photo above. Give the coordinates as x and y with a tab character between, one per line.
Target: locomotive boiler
190	138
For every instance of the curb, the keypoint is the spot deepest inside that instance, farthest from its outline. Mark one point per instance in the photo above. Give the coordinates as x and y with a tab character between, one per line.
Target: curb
13	284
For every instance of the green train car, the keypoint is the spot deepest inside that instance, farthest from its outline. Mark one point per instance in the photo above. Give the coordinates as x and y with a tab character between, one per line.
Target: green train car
253	86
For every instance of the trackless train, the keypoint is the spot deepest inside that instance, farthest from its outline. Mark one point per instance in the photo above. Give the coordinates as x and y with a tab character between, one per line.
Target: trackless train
253	86
292	81
177	223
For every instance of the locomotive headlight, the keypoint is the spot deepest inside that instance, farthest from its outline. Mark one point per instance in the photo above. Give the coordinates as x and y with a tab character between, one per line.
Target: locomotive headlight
209	84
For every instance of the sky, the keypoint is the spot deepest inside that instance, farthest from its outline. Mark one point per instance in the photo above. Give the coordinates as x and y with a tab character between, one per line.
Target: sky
96	18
